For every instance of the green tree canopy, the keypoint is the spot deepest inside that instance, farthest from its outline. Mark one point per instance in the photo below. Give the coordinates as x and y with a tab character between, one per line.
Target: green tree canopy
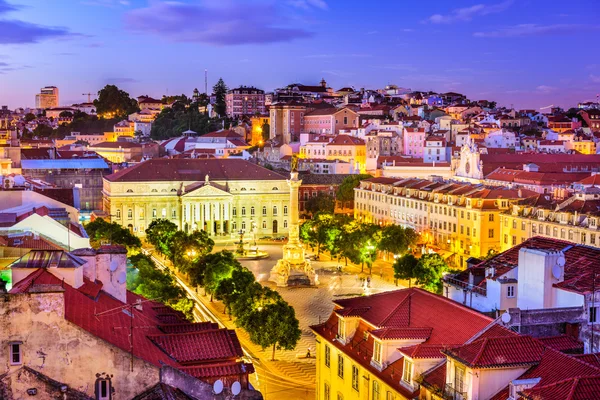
397	239
30	117
429	272
65	114
220	90
172	122
405	267
154	284
43	131
114	102
275	325
101	231
231	288
160	234
345	191
322	202
266	132
188	249
217	267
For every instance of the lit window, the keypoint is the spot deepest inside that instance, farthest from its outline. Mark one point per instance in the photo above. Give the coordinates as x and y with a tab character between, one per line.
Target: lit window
355	377
327	356
118	215
377	352
408	370
341	366
326	391
129	214
376	390
252	211
15	353
154	213
264	211
264	224
274	210
285	210
243	211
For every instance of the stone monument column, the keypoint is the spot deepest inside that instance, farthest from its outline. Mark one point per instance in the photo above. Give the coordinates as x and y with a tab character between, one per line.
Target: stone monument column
294	227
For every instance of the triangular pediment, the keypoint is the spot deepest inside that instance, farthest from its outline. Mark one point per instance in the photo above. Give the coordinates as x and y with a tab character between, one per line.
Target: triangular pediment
206	190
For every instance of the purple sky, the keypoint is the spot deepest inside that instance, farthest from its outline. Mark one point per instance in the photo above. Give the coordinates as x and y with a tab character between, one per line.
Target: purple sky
528	53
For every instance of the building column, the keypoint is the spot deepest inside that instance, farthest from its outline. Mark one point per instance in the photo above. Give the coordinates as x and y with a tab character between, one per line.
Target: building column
220	218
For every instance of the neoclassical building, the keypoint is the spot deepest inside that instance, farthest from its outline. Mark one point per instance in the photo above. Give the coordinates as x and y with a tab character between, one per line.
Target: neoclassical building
221	196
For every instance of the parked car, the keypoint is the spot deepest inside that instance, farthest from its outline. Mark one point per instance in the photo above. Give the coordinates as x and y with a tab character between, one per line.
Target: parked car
280	238
265	238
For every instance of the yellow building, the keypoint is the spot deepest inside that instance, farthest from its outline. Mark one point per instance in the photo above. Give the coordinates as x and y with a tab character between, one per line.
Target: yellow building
460	219
575	219
377	347
349	149
221	196
583	146
257	128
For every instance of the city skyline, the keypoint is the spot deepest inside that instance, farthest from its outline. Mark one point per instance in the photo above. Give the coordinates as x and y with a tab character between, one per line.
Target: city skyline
528	54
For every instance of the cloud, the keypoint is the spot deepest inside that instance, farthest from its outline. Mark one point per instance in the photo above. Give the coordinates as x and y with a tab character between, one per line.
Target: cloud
536	30
13	31
595	78
338	73
6	67
227	25
468	13
545	89
307	4
106	3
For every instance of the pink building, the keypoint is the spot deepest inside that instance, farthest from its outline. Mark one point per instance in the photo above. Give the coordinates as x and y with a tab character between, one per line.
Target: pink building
330	120
414	139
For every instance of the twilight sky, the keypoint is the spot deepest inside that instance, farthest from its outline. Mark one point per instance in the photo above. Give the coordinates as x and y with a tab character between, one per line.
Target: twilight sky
530	53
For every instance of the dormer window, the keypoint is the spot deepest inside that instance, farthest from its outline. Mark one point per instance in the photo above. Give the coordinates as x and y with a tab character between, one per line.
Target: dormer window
341	329
377	352
407	373
593	222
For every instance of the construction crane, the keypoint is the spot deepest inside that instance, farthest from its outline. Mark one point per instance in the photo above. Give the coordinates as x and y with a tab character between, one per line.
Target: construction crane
89	95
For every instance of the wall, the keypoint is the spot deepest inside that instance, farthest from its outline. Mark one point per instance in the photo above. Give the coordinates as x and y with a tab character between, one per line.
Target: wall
63	351
52	229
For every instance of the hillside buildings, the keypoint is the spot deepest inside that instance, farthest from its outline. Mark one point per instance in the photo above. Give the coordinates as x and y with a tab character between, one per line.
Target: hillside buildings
47	98
245	101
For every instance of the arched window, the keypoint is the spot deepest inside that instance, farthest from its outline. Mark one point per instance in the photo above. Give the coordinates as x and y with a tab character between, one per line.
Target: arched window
129	213
234	225
118	215
234	211
252	210
274	210
154	191
264	224
243	225
164	213
275	188
285	223
243	212
103	388
285	210
264	211
129	190
173	190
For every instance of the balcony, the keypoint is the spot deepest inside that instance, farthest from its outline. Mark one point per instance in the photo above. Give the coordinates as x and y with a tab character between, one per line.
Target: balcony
450	393
464	285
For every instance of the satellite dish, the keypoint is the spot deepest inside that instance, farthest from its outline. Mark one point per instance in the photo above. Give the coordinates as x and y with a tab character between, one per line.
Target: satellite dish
557	271
236	388
218	386
561	261
113	265
122	278
506	317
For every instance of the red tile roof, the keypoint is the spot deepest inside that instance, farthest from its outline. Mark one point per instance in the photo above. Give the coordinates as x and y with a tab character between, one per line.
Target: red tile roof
190	347
346	140
186	170
109	319
491	352
402	333
593	180
583	388
563	343
219	370
230	134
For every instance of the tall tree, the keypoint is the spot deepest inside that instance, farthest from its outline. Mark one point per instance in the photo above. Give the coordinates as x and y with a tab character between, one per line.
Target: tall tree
266	132
275	325
405	267
217	267
345	192
154	284
220	90
396	239
160	234
188	249
322	202
99	231
231	288
113	102
429	272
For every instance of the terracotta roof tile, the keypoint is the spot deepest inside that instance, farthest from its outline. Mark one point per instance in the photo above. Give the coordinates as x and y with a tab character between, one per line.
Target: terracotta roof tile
199	346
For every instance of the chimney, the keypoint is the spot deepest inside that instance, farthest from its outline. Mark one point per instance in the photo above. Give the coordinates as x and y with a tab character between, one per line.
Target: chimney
111	270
